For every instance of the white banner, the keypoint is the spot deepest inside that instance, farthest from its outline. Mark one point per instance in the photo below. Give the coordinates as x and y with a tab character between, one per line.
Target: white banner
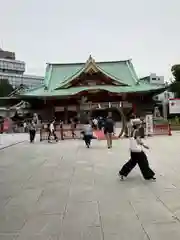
149	124
174	105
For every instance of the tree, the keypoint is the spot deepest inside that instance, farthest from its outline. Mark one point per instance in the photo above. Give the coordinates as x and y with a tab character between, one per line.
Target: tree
175	86
5	88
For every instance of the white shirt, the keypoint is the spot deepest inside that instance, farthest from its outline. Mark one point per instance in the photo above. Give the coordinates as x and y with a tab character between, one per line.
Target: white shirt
95	121
88	129
51	127
134	146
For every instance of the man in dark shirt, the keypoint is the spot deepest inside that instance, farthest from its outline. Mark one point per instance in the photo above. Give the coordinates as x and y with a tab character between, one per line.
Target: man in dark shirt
109	130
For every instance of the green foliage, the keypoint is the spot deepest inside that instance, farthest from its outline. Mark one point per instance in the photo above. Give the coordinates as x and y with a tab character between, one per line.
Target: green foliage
175	86
176	72
175	121
5	88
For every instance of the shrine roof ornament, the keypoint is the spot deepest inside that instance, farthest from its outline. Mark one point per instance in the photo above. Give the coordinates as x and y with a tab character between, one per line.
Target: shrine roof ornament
90	60
90	65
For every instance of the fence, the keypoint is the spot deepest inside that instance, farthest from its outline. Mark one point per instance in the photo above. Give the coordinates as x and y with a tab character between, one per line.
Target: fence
159	128
162	129
65	131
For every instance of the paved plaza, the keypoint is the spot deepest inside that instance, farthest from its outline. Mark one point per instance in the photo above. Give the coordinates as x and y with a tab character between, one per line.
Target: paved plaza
64	191
7	140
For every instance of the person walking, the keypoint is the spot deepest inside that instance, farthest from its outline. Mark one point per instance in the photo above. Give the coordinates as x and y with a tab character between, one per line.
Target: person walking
52	131
138	156
109	130
94	123
73	127
32	131
25	126
88	134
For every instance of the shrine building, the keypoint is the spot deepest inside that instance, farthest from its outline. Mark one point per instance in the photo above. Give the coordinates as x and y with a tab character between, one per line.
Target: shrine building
91	89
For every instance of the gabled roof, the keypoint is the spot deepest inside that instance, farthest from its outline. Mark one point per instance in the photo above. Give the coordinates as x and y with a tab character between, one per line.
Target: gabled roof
58	79
57	75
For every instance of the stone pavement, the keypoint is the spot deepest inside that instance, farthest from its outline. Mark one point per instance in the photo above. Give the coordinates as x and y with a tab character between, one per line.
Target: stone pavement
64	191
9	139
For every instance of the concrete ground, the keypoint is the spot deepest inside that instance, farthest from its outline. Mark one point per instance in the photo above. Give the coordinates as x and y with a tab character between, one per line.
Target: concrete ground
64	191
9	139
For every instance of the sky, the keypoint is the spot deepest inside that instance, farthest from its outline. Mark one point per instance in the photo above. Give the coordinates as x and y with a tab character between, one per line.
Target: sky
41	31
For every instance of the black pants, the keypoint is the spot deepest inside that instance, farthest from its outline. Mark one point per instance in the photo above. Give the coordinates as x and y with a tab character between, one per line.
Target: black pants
52	134
139	158
87	139
32	134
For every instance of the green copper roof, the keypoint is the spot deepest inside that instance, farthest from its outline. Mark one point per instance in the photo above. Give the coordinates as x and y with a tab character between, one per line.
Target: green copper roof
58	79
42	92
145	79
59	74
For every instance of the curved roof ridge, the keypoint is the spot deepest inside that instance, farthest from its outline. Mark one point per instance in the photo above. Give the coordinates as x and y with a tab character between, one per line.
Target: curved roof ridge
73	75
132	71
35	88
111	76
82	63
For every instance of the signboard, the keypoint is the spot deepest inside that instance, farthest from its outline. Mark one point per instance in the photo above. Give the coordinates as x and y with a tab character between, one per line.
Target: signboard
127	104
105	105
115	104
174	105
161	127
72	108
101	105
59	109
149	124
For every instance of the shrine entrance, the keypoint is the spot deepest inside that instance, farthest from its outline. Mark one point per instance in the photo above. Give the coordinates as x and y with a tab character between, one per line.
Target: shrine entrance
104	113
95	110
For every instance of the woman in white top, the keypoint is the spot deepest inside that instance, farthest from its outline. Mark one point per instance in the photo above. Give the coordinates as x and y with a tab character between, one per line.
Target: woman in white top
137	156
52	131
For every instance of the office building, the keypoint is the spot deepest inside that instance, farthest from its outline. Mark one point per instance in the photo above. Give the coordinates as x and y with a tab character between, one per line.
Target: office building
13	71
7	54
158	81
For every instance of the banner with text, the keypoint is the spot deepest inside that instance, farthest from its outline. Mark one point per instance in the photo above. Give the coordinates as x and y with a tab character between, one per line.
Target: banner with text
174	105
